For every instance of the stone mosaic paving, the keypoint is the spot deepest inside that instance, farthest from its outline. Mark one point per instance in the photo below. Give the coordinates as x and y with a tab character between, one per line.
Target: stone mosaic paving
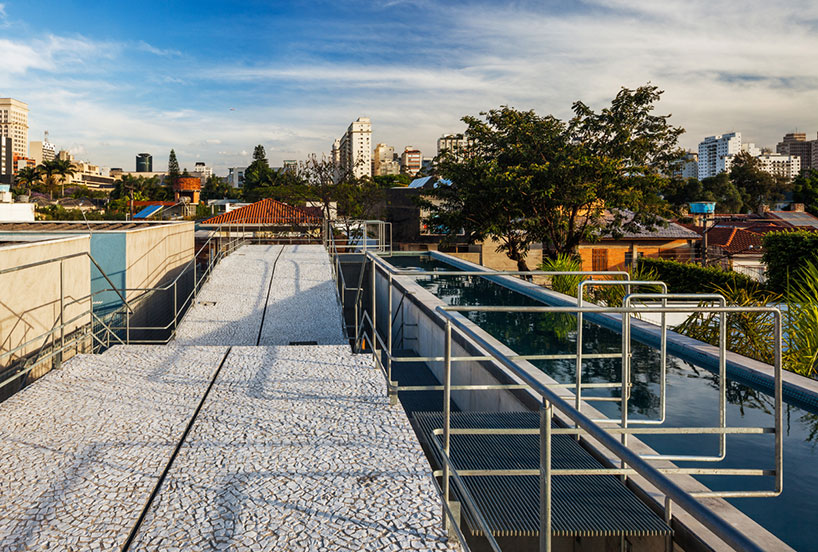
82	448
229	307
302	305
297	449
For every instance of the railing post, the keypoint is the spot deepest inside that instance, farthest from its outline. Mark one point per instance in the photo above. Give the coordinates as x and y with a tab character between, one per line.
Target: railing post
62	313
578	393
374	343
127	326
447	416
546	413
175	308
393	394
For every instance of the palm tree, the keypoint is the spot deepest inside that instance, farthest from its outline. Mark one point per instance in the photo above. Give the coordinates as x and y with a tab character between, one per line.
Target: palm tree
26	177
51	170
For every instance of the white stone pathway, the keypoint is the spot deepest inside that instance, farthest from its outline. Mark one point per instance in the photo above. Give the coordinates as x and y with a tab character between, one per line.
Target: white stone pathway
297	448
81	449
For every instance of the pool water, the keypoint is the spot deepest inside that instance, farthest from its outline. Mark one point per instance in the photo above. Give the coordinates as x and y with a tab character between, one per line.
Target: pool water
692	400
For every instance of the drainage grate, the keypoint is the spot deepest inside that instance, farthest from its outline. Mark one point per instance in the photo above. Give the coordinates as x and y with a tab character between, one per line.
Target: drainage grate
303	343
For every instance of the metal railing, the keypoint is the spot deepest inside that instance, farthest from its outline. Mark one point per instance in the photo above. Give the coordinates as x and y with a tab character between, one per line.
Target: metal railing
552	396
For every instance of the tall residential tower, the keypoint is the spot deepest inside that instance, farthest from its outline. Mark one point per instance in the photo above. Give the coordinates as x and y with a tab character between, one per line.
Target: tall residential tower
14	124
353	151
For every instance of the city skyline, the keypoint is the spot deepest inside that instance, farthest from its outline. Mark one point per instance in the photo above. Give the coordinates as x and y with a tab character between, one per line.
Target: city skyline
211	79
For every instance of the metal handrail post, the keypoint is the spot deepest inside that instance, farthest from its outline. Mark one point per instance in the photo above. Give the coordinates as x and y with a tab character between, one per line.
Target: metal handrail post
447	415
175	308
62	311
393	395
546	414
374	343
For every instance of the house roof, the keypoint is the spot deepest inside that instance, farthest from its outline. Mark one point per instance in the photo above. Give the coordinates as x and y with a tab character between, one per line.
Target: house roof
427	180
268	211
797	219
735	240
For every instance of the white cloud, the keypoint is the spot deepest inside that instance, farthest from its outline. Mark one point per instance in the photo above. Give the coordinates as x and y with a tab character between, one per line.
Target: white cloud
145	47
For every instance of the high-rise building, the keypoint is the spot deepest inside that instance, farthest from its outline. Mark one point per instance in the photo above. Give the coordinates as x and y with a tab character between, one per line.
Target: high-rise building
454	144
144	162
796	143
353	151
687	166
235	176
6	161
384	161
42	151
411	161
14	124
714	152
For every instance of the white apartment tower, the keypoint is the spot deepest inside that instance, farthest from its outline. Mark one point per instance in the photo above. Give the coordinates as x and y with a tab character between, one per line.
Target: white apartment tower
353	151
14	124
714	152
454	144
779	164
384	162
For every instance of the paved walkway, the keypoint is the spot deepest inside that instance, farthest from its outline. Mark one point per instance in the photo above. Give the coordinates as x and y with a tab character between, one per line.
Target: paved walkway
82	448
295	448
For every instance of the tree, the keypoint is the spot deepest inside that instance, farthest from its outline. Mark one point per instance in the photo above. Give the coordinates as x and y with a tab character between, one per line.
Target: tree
257	176
27	177
320	175
805	190
392	180
357	199
528	178
54	173
216	187
173	169
757	187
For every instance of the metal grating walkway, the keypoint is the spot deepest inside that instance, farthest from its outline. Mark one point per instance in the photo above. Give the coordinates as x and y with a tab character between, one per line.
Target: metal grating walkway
583	506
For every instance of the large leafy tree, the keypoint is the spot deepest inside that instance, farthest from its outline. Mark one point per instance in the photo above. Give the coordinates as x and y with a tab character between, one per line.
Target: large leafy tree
805	190
529	178
357	199
756	186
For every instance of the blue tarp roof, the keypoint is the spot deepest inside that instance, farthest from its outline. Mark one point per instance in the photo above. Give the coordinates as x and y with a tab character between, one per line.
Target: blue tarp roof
421	182
147	211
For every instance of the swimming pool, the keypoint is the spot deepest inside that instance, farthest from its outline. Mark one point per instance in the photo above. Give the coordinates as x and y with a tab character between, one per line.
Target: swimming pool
692	394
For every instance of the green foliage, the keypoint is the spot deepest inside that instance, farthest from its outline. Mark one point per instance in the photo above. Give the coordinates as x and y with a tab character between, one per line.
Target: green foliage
805	190
531	178
748	333
690	278
568	284
785	253
614	296
802	321
392	180
216	187
173	169
756	186
58	212
53	172
144	188
82	192
27	177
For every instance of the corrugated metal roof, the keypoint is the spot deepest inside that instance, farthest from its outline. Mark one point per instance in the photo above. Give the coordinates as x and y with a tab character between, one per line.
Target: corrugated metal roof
267	211
796	218
586	505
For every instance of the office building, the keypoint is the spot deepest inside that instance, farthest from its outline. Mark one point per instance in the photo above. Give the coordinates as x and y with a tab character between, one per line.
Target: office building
6	161
384	161
796	143
411	161
352	153
144	162
14	124
43	150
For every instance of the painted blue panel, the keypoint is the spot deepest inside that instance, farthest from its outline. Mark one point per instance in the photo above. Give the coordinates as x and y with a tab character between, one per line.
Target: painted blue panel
147	211
108	250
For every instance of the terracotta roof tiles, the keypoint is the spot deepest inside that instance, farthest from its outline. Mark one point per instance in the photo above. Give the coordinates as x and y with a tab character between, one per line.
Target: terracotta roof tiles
267	211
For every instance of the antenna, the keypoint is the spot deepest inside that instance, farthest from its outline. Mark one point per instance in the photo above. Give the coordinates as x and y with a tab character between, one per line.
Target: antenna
46	136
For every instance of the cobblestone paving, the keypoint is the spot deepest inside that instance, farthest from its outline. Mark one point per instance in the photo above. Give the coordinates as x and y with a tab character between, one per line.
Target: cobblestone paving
297	449
229	307
82	448
302	304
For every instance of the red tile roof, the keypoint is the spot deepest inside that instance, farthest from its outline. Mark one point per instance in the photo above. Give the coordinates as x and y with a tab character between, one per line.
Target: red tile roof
149	203
735	240
268	211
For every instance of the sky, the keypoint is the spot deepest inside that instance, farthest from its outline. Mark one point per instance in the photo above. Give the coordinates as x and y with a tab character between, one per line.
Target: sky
212	79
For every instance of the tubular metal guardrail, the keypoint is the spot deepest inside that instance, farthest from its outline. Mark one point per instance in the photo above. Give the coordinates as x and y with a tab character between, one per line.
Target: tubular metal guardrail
612	439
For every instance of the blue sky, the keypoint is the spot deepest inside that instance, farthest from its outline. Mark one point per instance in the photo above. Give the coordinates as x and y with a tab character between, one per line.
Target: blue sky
212	79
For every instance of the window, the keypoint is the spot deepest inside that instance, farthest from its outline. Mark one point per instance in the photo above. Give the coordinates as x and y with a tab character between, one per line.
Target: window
599	259
628	259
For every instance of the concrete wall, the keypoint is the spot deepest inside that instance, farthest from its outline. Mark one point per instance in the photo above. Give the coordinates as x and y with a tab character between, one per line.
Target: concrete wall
156	254
671	249
30	298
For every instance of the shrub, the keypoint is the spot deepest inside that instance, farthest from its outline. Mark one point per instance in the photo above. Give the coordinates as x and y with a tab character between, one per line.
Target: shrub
690	278
785	253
